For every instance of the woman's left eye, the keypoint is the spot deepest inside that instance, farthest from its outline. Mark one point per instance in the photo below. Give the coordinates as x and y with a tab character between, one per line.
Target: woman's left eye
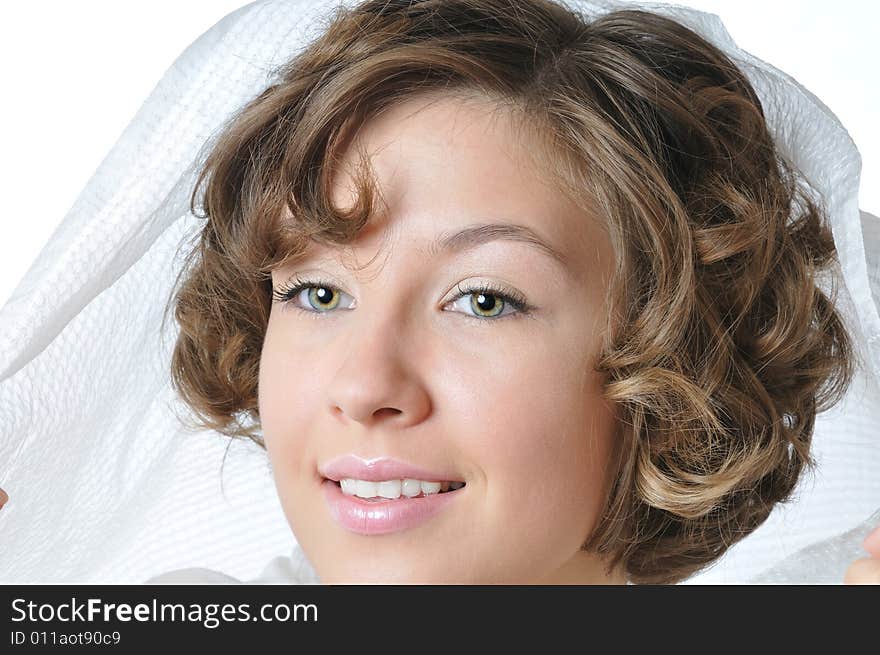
489	303
484	302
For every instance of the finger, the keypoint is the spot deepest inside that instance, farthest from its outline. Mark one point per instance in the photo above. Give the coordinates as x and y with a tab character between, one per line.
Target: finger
863	571
872	542
3	498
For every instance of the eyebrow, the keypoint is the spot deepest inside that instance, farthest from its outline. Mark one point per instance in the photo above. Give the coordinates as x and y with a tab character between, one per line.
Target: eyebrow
476	235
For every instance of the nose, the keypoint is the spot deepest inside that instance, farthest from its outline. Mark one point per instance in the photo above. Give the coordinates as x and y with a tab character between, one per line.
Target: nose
381	378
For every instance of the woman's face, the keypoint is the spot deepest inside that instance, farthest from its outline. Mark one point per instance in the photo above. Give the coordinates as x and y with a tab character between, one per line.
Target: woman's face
385	358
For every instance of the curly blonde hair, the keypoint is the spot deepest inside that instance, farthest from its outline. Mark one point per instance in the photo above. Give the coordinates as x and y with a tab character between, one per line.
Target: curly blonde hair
721	348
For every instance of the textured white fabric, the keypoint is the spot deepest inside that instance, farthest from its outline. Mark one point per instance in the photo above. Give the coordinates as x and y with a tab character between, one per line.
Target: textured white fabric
294	569
105	483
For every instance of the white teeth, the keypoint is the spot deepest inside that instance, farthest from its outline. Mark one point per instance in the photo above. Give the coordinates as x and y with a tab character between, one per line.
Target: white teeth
366	489
389	489
410	487
394	488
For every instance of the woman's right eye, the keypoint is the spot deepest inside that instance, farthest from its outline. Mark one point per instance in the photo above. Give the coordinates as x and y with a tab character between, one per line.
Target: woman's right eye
311	296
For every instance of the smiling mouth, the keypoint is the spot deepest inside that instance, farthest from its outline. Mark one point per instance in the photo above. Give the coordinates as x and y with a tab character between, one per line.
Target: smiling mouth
387	490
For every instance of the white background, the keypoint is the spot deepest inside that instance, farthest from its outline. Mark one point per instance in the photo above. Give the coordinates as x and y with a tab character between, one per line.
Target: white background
75	73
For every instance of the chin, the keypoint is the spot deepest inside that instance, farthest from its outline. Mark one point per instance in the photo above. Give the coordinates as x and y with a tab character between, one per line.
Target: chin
394	573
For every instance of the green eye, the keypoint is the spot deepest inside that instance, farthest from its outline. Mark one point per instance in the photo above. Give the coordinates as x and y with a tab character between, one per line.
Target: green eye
487	304
322	298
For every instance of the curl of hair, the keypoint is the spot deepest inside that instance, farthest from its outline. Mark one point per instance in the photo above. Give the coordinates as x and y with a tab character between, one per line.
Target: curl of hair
720	348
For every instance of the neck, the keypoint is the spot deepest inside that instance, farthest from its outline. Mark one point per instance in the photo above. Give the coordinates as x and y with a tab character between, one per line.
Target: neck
586	569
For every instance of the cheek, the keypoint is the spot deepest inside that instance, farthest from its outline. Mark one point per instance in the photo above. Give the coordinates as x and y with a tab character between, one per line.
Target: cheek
546	455
287	400
553	459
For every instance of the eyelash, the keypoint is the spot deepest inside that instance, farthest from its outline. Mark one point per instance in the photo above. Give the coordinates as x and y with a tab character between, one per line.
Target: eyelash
509	297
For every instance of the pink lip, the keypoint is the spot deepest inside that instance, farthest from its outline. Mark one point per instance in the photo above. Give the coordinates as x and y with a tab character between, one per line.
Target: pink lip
380	517
381	468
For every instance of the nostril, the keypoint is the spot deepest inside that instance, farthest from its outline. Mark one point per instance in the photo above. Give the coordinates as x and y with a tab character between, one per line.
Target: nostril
379	413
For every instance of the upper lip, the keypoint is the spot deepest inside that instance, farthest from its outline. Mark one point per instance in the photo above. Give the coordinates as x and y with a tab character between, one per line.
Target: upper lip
380	468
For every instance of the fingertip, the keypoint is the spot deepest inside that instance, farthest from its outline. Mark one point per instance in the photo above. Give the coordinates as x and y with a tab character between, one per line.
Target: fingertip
863	571
872	542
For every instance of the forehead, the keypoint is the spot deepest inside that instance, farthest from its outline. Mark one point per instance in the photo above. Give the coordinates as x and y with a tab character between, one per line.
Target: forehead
455	172
448	151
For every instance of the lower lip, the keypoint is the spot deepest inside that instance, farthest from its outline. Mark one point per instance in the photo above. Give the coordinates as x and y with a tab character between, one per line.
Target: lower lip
381	517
